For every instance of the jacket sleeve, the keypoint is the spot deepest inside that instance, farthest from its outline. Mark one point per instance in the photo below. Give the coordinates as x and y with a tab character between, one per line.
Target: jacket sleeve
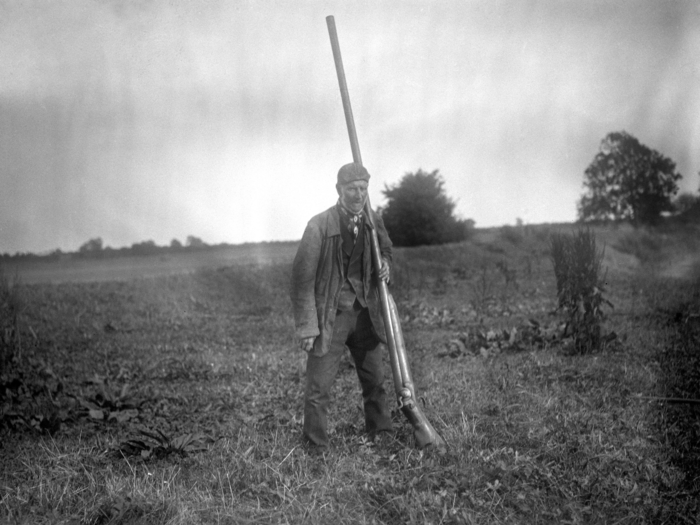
303	282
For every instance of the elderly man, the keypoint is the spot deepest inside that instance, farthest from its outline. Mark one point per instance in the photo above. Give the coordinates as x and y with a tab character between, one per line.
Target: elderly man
336	304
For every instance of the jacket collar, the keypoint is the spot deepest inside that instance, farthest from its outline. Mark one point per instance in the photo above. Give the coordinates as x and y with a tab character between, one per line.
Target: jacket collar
333	222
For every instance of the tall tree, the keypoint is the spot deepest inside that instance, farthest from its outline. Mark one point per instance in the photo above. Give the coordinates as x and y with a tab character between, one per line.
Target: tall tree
419	212
628	181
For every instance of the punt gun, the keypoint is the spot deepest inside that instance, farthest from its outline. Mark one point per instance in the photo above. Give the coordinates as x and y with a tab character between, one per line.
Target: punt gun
424	433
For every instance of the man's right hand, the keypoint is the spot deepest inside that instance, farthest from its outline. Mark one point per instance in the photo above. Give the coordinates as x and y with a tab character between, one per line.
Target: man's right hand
307	344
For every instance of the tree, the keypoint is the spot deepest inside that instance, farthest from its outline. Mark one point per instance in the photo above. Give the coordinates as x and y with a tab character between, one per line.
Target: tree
418	212
628	181
144	248
91	246
194	242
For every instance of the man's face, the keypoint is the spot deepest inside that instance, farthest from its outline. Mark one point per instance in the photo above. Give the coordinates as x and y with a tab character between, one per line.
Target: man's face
353	195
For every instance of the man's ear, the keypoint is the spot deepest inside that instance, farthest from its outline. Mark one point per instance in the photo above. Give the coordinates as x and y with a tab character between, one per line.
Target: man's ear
337	188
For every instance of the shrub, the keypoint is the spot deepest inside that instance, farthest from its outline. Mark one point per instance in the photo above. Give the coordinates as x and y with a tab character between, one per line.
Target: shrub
512	234
418	212
482	288
580	287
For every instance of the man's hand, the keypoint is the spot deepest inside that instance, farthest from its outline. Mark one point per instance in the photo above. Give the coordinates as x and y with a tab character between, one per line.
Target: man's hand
385	271
307	344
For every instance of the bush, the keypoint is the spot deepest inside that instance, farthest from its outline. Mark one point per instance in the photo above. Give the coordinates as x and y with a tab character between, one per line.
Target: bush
580	287
418	212
684	202
512	234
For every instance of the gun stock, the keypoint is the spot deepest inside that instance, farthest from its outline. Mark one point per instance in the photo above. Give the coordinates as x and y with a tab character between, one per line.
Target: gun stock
424	433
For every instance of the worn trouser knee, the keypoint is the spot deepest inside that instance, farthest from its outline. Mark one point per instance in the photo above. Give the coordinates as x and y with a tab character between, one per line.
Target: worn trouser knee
354	330
316	410
369	366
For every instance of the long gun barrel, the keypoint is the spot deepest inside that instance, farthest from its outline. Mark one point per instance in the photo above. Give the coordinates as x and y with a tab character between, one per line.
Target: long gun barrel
424	432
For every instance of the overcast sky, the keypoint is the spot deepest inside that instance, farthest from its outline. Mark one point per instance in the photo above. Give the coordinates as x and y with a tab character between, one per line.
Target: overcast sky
153	120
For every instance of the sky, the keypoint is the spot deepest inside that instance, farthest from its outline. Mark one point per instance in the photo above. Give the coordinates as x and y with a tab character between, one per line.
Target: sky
137	120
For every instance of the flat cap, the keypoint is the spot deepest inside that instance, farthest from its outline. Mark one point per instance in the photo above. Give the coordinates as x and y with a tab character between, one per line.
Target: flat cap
352	172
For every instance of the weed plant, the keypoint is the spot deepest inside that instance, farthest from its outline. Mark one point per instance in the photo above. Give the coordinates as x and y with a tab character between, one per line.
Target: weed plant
580	287
482	289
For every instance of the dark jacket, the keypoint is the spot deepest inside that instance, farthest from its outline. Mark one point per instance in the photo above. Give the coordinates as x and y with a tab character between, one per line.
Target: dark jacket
318	276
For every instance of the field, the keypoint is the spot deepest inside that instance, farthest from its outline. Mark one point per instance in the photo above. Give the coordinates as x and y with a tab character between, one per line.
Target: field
124	268
170	392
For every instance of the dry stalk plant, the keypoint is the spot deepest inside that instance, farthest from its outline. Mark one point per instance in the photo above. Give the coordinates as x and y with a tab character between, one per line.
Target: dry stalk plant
580	287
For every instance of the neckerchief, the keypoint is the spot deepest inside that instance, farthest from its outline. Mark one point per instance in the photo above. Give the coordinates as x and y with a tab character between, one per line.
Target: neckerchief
353	221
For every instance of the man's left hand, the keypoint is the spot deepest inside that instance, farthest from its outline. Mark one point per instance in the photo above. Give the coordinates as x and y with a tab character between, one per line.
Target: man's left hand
385	271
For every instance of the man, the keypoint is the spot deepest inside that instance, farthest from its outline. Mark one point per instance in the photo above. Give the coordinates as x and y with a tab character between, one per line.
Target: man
336	304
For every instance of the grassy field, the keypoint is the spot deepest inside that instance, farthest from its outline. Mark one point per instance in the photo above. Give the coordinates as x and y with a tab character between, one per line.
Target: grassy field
121	268
177	398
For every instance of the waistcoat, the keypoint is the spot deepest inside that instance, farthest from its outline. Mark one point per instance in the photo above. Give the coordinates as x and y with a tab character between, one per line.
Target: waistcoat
352	264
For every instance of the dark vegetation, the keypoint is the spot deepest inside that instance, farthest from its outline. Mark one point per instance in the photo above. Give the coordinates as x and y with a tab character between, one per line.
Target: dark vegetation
680	380
419	212
580	287
628	181
177	399
10	333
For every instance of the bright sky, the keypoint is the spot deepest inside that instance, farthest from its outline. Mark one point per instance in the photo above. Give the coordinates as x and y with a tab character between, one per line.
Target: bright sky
139	120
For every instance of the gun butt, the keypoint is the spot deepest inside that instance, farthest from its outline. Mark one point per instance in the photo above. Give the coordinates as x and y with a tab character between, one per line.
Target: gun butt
423	431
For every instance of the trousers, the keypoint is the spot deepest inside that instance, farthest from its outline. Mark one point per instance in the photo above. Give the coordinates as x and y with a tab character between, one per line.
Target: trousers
352	329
